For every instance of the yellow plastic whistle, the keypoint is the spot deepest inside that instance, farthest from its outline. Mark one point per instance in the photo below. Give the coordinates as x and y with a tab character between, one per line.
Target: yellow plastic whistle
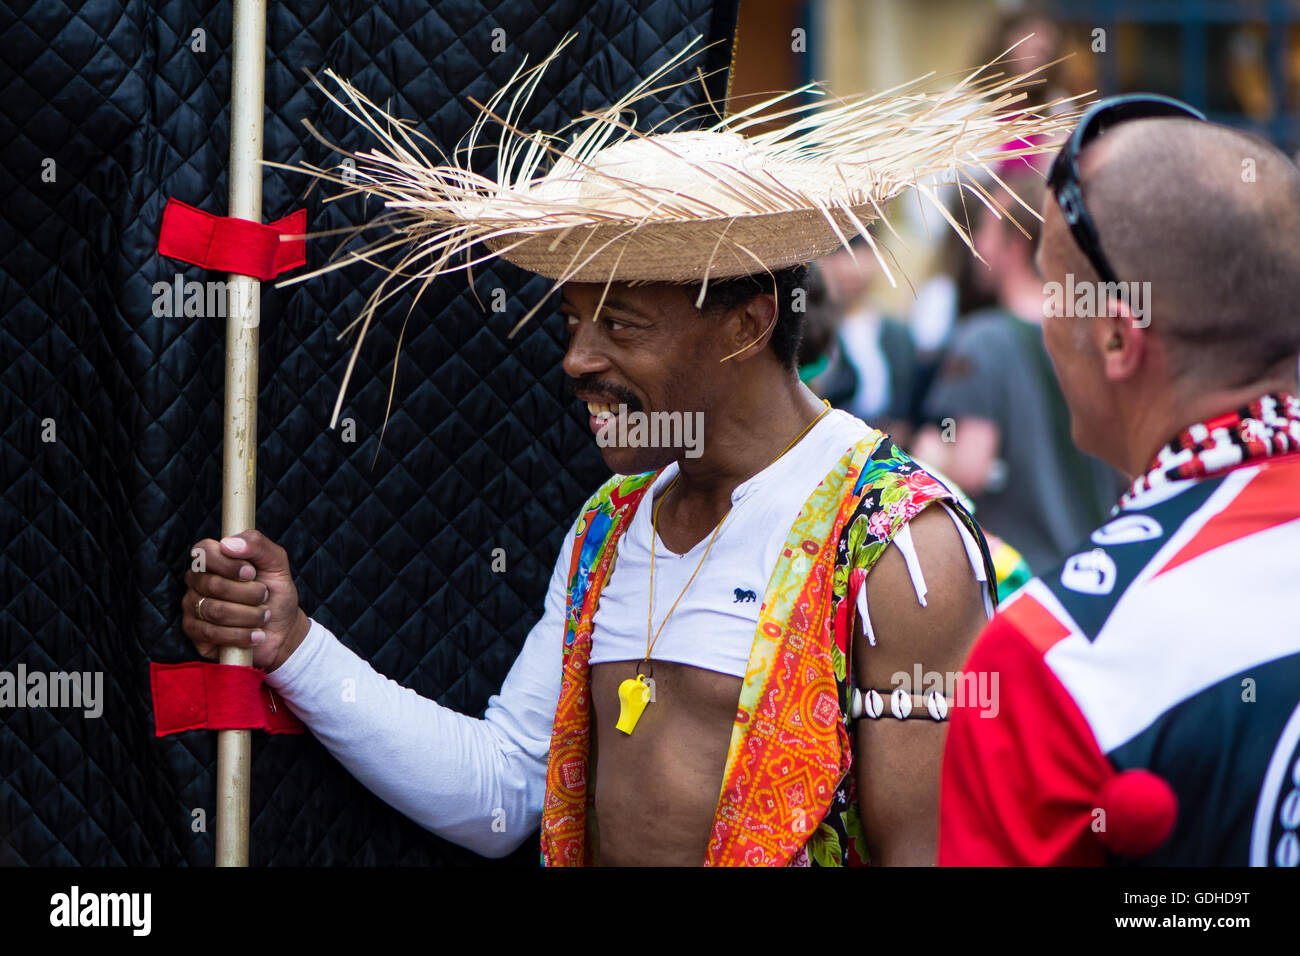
633	696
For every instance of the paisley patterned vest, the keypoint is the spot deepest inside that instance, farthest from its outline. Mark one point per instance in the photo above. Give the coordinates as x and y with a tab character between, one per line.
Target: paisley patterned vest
780	804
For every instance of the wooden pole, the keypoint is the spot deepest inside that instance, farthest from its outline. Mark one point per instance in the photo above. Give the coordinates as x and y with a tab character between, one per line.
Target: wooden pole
239	446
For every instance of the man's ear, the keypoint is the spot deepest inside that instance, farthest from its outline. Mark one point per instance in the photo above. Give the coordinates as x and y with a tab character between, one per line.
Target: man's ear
749	327
1119	339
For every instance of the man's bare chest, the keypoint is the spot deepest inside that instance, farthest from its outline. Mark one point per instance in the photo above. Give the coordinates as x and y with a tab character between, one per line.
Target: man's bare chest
657	788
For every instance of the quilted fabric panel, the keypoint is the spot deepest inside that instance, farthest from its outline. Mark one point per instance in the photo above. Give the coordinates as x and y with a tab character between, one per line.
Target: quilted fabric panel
111	436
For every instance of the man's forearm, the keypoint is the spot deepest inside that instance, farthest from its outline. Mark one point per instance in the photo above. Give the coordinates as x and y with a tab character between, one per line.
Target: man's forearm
460	777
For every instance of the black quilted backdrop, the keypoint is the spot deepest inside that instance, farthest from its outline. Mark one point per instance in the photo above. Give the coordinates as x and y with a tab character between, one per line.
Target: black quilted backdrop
112	415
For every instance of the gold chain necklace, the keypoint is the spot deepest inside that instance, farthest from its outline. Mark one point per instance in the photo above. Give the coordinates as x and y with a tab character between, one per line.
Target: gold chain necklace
635	693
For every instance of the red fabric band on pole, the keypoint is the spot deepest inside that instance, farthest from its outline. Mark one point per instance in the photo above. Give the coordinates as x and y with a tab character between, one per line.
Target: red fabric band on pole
201	695
227	244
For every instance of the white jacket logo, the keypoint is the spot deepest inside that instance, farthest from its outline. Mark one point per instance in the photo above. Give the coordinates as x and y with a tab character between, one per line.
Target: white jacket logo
1090	572
1127	529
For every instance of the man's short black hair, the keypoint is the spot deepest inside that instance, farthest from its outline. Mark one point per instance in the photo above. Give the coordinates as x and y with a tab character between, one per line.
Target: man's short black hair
791	292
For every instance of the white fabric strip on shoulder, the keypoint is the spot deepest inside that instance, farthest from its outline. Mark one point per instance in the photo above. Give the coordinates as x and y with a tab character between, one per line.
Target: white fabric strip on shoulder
867	630
975	558
903	539
972	549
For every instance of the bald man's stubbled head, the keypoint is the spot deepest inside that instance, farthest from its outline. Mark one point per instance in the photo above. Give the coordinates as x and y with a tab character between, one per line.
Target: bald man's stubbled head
1210	217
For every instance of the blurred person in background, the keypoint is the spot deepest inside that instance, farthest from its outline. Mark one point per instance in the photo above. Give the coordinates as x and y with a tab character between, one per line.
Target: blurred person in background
886	349
996	421
878	348
958	286
953	292
823	367
1036	37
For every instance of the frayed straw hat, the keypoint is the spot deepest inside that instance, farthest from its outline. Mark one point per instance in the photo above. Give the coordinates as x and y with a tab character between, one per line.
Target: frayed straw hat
615	204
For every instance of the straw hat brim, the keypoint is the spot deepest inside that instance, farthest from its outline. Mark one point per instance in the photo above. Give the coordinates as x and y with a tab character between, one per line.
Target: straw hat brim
600	200
680	251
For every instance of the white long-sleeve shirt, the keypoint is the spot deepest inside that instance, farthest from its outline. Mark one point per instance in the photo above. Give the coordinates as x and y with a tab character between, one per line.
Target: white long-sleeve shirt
480	783
475	782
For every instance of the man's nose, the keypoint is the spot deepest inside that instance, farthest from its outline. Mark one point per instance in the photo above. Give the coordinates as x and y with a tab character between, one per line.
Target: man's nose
584	355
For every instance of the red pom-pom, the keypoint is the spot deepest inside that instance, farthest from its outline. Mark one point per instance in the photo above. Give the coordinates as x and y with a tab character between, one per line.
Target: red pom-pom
1139	813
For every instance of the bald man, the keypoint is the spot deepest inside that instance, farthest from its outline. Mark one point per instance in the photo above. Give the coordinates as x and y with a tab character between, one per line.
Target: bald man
1149	684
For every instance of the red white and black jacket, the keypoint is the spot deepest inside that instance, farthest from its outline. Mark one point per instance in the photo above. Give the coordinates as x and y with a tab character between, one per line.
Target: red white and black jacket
1148	704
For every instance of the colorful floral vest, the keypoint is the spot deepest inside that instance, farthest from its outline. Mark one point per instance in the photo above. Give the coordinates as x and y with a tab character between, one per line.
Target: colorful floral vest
788	795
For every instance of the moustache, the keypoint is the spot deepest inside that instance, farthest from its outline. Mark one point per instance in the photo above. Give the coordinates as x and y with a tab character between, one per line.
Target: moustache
586	384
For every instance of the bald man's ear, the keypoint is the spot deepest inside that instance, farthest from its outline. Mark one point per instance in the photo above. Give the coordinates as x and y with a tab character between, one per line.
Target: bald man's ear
749	328
1120	340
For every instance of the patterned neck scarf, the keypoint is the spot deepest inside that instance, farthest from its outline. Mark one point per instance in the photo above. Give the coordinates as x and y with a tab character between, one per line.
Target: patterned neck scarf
1267	427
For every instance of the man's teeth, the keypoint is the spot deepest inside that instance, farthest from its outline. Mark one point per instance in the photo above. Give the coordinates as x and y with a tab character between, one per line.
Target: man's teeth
600	410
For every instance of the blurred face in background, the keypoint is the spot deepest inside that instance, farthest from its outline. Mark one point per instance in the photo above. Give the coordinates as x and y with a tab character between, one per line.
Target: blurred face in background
848	274
1038	49
1008	267
993	246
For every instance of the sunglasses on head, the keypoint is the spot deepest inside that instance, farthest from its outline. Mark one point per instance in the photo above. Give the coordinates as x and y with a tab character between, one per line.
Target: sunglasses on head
1063	179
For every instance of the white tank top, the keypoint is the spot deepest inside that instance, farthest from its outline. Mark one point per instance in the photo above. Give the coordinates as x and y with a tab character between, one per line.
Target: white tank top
714	623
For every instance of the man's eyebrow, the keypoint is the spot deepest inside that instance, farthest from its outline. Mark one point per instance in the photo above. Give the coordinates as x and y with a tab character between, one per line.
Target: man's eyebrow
612	301
623	304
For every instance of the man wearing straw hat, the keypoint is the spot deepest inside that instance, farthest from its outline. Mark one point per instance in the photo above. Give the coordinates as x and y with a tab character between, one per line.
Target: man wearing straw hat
729	665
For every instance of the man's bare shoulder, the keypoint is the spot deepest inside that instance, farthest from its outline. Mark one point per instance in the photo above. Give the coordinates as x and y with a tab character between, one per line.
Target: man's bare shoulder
898	773
939	632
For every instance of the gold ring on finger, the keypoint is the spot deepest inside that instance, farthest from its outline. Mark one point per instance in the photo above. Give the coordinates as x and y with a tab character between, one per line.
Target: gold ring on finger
198	609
